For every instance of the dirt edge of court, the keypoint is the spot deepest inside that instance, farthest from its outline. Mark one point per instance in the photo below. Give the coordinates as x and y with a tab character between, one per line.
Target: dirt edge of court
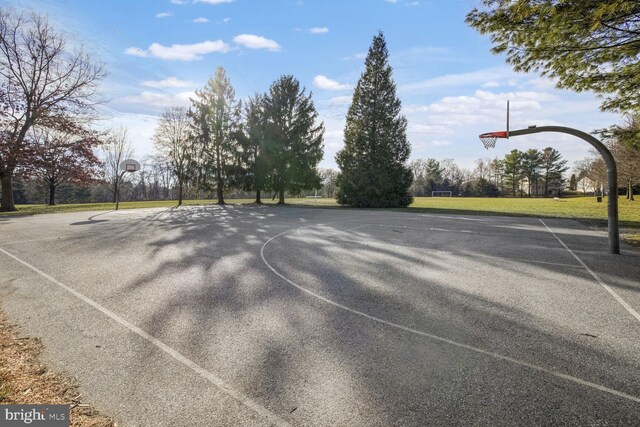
25	380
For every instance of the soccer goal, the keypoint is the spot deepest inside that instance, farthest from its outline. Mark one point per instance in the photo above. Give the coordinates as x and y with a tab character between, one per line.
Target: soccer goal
441	194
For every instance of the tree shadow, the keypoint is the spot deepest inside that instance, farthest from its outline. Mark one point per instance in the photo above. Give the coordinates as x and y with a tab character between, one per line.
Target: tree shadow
215	301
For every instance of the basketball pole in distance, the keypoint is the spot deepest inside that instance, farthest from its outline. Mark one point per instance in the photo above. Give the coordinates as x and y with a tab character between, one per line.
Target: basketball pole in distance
612	171
126	166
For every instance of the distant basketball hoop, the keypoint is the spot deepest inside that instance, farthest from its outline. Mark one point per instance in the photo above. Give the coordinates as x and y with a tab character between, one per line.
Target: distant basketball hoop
129	165
126	166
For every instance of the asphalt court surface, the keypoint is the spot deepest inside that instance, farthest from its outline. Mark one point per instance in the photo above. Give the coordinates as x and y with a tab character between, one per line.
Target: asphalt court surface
261	315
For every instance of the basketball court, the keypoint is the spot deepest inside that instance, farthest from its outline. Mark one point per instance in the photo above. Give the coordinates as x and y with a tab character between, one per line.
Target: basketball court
259	315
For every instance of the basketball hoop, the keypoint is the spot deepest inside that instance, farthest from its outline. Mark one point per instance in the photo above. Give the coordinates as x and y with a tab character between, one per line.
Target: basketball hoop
129	165
489	139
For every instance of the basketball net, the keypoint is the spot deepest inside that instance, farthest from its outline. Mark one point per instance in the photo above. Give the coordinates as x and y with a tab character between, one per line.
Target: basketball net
488	141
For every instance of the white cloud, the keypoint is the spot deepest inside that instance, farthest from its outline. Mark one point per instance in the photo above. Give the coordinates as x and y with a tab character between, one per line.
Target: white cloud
214	1
462	79
252	41
492	83
180	2
323	82
407	3
164	14
482	107
168	82
180	52
481	99
429	129
225	20
200	20
156	100
542	83
136	51
341	100
356	56
140	128
441	142
318	30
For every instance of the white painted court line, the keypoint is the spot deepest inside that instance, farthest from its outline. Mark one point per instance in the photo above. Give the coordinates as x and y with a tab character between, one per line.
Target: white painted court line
442	339
209	376
595	276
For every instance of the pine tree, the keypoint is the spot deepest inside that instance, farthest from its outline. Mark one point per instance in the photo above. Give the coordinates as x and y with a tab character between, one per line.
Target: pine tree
512	165
293	139
253	141
553	166
372	162
573	182
216	119
589	45
531	163
433	174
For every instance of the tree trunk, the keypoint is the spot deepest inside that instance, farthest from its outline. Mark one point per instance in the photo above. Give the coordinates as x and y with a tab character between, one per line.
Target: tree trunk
258	200
630	192
219	193
115	190
220	182
52	194
7	192
180	186
281	198
546	185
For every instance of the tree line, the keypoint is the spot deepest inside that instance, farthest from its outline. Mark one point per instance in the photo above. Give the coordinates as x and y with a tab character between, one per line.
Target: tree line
271	143
520	173
48	99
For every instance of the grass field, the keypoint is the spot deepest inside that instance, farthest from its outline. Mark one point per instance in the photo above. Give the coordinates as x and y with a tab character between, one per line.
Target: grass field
584	209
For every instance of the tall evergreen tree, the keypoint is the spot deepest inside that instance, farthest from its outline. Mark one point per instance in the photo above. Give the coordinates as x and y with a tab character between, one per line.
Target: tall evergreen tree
573	182
433	175
497	170
216	117
512	169
531	163
293	139
553	167
372	162
255	159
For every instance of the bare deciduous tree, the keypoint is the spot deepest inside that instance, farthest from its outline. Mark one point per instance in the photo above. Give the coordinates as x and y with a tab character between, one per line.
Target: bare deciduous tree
42	82
118	147
624	143
173	141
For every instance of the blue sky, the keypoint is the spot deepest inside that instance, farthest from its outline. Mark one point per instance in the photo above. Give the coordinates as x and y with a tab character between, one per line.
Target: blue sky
157	52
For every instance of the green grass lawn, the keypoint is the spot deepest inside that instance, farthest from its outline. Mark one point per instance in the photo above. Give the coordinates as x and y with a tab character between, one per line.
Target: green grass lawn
584	209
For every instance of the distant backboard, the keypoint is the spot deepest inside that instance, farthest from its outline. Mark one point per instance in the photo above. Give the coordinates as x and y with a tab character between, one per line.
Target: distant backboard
129	165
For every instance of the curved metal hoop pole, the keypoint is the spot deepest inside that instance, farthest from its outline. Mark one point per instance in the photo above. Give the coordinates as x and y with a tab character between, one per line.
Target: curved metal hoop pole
612	175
